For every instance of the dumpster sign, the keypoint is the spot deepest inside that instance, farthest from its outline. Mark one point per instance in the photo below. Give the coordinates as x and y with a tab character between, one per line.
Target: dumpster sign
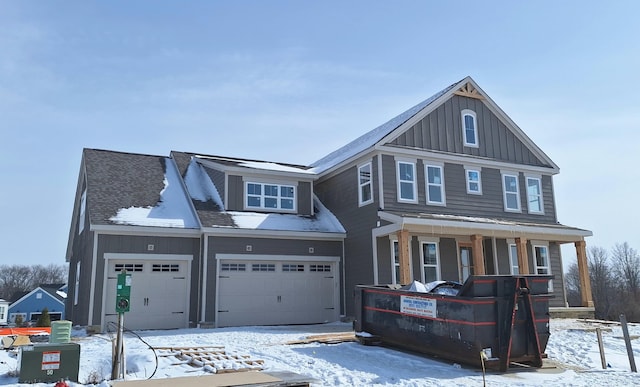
417	306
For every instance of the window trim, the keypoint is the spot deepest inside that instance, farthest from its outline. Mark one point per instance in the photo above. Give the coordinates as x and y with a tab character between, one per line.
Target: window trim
517	192
262	196
413	182
361	185
513	254
472	114
466	175
393	240
540	195
440	167
83	208
543	245
430	241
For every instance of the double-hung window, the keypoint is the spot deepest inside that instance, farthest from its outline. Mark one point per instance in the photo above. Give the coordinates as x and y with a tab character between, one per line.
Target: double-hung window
543	266
407	190
534	195
430	261
511	192
469	128
270	196
474	184
435	185
365	191
513	258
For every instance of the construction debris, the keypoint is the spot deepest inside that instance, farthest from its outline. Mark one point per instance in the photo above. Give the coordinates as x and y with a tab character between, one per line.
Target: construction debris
213	359
328	338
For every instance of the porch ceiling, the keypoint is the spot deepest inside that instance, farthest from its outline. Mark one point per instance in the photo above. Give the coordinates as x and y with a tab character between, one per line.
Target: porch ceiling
437	224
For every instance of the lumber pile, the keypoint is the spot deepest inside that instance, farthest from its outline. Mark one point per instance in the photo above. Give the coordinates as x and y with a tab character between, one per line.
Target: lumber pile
213	359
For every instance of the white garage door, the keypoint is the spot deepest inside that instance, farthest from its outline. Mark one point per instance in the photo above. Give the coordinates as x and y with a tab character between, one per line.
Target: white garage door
158	294
276	292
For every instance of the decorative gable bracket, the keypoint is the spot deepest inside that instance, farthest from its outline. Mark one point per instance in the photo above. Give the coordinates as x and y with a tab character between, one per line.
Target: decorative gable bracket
468	91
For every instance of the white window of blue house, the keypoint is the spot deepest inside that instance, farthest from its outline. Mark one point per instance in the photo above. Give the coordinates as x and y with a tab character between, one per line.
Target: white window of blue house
470	128
474	182
1	313
435	185
407	189
534	195
270	196
430	258
511	192
365	189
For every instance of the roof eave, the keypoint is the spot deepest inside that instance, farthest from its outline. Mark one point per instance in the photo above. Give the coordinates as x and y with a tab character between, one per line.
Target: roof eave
501	230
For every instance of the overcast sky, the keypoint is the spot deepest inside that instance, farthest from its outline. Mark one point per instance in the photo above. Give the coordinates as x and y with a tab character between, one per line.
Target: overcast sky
294	80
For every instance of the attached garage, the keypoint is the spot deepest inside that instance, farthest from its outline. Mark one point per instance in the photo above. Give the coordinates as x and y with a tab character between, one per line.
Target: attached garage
159	291
270	290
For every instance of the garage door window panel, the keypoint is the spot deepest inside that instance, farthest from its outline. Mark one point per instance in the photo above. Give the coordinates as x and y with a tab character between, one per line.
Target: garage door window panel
292	268
130	267
267	267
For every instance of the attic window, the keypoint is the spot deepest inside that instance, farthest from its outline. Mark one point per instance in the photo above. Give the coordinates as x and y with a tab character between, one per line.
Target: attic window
270	196
38	295
469	128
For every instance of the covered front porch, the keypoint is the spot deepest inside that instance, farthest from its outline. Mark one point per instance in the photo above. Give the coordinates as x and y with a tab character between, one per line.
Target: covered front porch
427	247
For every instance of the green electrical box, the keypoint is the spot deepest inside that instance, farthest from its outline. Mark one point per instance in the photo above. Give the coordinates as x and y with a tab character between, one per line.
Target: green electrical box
49	363
123	292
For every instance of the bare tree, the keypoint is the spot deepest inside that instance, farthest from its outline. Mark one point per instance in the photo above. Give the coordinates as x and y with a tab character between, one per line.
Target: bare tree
626	268
602	284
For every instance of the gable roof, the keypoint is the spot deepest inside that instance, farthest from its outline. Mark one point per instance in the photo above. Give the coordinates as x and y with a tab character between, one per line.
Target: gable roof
47	290
135	189
397	125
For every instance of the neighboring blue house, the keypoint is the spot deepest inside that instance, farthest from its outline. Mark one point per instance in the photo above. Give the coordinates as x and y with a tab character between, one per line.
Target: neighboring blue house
30	305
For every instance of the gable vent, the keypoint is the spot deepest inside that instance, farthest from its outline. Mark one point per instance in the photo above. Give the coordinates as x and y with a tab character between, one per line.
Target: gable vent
468	91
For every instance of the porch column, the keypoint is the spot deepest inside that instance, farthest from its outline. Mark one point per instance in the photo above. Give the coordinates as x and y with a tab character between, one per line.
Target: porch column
523	256
478	255
583	272
403	257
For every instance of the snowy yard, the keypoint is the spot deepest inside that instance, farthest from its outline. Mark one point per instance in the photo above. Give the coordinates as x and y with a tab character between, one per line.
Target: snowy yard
574	358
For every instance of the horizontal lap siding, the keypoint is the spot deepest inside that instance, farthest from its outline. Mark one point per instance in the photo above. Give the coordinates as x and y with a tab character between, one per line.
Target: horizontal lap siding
441	130
458	202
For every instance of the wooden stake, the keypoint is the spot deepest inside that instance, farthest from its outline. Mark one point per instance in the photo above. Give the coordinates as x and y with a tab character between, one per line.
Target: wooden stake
627	341
601	346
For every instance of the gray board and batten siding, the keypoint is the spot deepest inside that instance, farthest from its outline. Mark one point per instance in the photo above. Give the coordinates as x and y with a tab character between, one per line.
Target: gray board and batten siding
490	204
359	221
441	130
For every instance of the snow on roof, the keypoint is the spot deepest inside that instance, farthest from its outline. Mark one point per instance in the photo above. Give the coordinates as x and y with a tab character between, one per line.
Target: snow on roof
323	221
369	139
199	185
259	164
173	209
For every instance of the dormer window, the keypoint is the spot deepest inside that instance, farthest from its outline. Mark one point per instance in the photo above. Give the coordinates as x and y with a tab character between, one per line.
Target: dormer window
265	196
469	128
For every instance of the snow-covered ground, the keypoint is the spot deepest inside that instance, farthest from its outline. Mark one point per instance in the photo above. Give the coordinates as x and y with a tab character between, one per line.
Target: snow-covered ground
573	358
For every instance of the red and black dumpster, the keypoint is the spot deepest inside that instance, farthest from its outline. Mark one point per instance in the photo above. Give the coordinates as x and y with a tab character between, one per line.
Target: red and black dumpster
498	320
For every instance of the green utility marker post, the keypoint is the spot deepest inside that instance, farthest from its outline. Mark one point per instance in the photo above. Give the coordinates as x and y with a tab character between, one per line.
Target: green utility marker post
123	304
